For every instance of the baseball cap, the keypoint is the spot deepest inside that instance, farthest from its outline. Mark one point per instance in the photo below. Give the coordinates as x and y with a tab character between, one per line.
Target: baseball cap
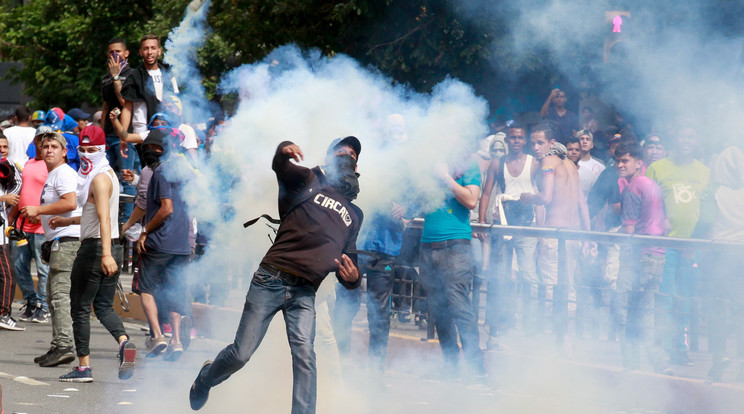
38	116
92	135
166	137
349	141
58	137
54	118
78	114
43	129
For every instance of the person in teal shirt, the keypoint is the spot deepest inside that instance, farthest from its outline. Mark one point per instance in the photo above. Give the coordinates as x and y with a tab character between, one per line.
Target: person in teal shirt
447	272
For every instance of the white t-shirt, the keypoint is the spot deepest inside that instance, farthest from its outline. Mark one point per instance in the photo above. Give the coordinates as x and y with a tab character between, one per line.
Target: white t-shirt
157	80
139	117
19	138
588	173
189	142
60	181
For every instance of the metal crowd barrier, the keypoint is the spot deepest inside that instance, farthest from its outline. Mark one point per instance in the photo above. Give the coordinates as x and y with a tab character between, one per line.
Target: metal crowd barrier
411	292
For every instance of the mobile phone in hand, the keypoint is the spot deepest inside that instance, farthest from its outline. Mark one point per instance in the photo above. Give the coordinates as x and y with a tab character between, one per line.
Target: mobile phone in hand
119	59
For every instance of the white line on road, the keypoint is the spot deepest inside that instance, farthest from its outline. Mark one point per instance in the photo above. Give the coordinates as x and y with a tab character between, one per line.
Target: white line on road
22	379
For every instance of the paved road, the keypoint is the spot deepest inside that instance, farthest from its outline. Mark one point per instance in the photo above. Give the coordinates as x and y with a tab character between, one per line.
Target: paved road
528	376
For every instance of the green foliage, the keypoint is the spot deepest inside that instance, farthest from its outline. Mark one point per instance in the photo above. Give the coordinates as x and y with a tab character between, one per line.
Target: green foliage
62	45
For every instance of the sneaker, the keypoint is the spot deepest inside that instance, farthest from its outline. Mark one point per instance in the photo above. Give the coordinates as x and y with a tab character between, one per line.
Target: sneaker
174	352
199	392
28	312
58	357
78	374
127	353
40	315
41	357
167	330
155	346
187	325
8	323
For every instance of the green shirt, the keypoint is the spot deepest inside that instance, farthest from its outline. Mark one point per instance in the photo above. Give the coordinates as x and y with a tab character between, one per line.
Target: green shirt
683	186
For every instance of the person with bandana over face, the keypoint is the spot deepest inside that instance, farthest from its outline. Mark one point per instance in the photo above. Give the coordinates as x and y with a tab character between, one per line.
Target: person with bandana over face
317	235
163	244
96	269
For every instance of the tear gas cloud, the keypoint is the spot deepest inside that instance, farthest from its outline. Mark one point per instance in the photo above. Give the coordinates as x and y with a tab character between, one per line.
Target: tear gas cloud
677	62
311	99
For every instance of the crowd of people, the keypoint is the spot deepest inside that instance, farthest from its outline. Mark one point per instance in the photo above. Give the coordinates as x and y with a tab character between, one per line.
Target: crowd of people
62	174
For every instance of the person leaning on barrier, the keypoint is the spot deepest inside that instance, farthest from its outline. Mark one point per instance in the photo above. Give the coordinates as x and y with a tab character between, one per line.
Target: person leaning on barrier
638	282
683	179
514	174
564	206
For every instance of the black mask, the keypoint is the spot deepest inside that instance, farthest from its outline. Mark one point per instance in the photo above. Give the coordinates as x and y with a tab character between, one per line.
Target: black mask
151	157
341	175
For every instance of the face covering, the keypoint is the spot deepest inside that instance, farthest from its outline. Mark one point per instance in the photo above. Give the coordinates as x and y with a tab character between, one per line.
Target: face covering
90	166
341	175
151	157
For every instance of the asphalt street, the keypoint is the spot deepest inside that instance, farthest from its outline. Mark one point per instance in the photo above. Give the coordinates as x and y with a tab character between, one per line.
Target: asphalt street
528	375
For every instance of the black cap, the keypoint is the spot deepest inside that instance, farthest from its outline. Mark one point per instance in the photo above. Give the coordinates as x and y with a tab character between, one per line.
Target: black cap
166	138
349	141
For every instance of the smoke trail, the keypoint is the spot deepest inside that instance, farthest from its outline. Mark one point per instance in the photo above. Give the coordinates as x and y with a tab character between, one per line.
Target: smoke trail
182	45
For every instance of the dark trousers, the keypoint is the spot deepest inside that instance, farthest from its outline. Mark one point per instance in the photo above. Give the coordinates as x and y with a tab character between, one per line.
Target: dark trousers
90	286
380	273
7	287
448	278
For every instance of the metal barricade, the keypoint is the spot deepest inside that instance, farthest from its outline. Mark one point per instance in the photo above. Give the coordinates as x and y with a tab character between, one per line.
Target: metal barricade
631	245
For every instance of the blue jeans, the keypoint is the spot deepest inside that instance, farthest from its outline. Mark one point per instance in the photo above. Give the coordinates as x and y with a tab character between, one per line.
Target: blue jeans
268	295
119	163
21	256
500	296
448	278
679	286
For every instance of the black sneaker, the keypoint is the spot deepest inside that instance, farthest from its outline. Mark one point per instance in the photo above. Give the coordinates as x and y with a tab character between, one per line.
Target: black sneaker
58	357
78	375
8	323
40	315
41	357
199	391
185	331
127	353
28	312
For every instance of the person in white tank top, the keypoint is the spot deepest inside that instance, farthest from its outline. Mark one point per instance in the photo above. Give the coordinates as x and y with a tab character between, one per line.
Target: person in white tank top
514	174
95	272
